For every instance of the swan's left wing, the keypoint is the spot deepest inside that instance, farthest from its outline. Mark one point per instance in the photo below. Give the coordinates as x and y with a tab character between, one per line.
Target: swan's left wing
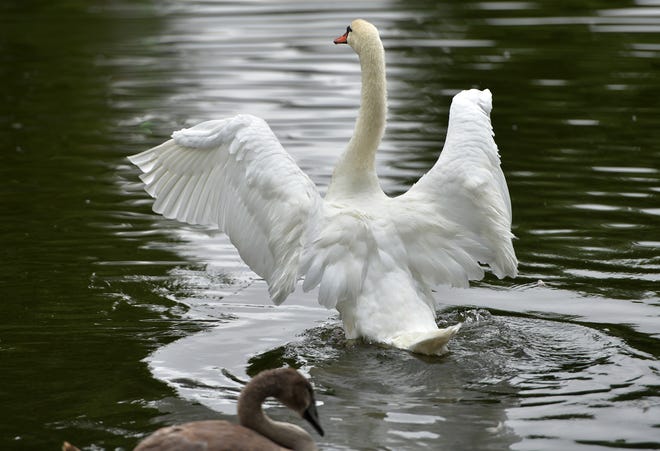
459	214
234	174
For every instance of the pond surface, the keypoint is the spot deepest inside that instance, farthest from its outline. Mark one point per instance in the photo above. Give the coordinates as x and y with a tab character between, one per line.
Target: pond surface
115	321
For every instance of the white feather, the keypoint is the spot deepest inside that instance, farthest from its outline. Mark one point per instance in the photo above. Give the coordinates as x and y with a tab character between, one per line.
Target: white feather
235	175
461	207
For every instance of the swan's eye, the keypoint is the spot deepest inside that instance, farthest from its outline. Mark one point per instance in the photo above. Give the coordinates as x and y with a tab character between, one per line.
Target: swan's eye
348	29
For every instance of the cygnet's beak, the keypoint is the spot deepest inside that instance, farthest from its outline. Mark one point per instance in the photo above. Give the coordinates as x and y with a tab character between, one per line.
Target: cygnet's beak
312	416
343	39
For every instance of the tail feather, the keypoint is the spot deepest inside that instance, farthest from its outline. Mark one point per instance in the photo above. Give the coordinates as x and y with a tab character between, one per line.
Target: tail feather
429	343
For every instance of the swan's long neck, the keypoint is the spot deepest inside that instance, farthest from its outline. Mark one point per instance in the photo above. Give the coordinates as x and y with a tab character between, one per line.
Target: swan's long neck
251	415
356	170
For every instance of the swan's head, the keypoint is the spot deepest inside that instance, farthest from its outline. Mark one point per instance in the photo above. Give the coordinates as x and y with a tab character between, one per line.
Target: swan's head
360	34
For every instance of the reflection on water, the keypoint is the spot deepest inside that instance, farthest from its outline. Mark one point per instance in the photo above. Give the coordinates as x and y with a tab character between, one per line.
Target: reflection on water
99	295
507	380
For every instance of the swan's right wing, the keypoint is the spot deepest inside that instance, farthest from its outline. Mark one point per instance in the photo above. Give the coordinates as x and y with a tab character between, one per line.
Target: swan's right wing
459	214
234	174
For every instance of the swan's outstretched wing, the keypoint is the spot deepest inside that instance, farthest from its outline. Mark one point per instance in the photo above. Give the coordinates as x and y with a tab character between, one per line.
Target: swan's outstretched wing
459	214
235	175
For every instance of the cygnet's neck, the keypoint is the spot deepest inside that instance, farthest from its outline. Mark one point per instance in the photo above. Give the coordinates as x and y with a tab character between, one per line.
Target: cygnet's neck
251	415
356	170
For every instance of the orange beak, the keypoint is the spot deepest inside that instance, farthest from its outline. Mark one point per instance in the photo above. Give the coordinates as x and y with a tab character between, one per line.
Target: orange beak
343	39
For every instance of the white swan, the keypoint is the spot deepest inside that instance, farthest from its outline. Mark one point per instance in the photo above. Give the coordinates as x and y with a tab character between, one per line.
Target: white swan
374	258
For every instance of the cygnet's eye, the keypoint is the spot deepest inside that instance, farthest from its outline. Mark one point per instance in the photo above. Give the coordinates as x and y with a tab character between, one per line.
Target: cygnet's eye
348	29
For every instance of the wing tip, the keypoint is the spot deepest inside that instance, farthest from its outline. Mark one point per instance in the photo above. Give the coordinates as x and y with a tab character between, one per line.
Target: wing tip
142	161
137	159
482	98
506	264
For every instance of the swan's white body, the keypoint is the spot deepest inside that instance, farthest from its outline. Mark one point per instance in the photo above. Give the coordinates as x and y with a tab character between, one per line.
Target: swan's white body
374	258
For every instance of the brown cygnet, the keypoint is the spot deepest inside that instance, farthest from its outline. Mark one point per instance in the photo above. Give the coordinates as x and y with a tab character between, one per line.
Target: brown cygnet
256	432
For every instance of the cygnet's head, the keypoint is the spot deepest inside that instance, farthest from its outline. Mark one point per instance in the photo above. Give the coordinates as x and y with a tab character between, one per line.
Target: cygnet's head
360	34
294	391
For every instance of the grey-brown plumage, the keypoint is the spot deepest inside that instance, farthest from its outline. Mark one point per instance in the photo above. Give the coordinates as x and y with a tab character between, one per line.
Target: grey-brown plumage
207	435
256	432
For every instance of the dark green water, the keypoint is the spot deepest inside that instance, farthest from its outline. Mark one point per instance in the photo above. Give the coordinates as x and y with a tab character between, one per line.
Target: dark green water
114	321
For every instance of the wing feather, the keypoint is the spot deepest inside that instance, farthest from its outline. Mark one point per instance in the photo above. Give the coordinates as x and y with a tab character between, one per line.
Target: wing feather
234	174
459	214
